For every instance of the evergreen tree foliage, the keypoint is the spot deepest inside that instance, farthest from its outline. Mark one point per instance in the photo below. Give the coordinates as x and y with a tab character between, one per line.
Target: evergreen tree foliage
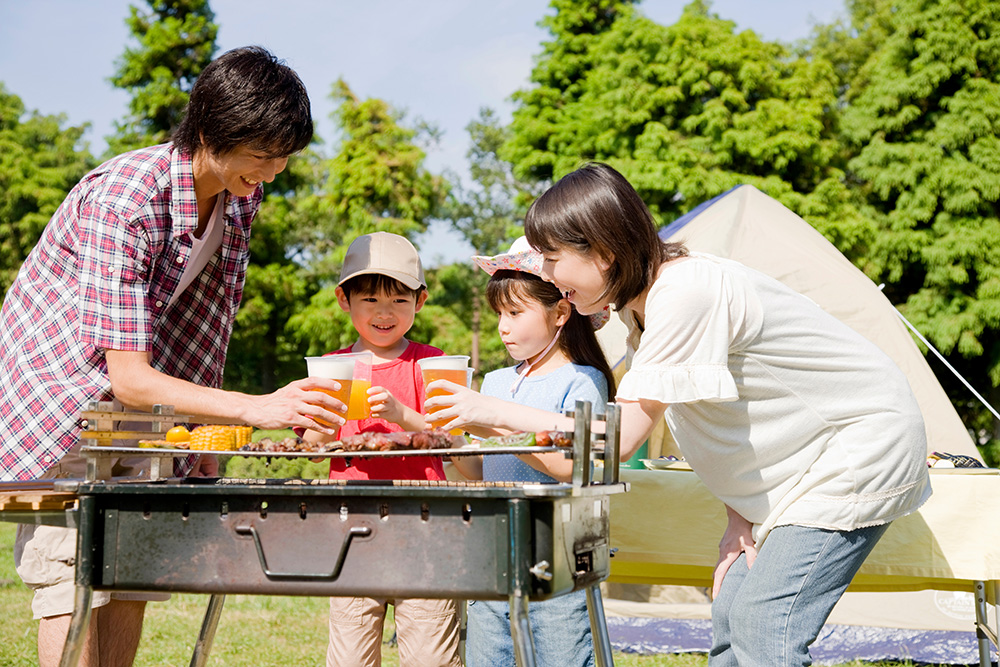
40	161
687	112
376	181
264	353
489	216
926	128
176	41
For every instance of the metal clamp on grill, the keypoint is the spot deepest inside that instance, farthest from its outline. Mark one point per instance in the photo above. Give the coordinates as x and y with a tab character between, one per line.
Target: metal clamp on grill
392	539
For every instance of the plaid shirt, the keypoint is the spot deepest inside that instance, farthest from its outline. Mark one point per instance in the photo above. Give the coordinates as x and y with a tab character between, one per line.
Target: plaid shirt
101	278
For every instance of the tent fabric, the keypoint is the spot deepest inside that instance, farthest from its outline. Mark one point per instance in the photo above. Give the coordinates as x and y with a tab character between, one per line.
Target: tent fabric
750	227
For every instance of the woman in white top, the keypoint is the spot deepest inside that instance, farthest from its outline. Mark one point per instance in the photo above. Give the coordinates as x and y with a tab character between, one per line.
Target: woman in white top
807	432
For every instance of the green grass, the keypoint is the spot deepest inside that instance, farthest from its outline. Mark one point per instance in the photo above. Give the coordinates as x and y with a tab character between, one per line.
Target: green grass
254	631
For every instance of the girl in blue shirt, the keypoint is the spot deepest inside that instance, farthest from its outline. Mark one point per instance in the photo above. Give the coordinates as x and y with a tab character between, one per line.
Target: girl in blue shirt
559	362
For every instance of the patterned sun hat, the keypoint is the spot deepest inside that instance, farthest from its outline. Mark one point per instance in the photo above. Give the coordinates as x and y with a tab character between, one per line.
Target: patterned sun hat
522	257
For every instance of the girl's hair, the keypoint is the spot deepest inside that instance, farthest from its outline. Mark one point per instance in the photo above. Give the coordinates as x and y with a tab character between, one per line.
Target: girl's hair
594	209
577	339
246	97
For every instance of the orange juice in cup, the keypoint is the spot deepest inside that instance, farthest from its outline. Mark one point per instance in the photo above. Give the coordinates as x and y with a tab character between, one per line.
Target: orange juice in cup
454	368
354	373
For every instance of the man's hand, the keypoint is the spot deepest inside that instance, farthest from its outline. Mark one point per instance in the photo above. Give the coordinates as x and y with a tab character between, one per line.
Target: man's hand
737	539
302	403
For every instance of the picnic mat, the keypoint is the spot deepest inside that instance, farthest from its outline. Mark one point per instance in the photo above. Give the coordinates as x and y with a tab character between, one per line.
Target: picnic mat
836	643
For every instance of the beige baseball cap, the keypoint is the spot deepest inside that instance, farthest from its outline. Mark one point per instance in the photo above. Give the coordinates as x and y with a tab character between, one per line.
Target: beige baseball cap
384	254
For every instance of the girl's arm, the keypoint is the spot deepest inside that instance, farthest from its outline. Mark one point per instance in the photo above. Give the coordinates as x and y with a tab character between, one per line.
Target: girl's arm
479	414
471	467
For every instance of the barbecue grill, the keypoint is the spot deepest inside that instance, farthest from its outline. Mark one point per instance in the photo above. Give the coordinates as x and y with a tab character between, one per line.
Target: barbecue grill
445	539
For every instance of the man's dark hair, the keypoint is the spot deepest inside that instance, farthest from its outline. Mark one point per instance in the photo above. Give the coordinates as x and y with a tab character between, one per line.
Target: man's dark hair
247	97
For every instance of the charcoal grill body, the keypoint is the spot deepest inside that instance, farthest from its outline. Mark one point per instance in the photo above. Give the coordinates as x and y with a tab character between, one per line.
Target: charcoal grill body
345	540
485	541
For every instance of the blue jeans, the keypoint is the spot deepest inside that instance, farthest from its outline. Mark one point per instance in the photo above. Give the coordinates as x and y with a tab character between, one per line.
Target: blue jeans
560	626
768	615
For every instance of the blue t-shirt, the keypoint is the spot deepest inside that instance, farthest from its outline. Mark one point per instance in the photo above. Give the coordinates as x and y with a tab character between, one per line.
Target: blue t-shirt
557	391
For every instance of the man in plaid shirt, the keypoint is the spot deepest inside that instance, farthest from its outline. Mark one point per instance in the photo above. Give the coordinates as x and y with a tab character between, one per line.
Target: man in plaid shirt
131	295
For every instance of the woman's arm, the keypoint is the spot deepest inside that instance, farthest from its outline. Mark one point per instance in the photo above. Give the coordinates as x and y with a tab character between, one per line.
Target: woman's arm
638	419
466	408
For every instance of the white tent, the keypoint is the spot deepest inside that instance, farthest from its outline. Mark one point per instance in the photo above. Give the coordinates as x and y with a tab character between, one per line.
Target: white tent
746	225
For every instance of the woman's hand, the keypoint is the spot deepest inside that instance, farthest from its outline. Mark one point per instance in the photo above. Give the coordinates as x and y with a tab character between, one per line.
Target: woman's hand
737	539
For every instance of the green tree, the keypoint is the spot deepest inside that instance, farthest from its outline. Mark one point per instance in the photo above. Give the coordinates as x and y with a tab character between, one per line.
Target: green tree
489	216
176	41
40	161
560	79
687	112
926	128
264	352
376	181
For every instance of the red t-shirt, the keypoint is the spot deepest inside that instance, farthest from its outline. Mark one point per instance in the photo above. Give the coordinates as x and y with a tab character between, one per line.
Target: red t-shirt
402	378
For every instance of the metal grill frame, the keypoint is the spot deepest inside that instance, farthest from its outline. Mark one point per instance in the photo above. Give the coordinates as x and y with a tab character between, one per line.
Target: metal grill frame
547	539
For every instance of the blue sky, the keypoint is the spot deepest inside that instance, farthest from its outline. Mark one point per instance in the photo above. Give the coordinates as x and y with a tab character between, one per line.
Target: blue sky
439	60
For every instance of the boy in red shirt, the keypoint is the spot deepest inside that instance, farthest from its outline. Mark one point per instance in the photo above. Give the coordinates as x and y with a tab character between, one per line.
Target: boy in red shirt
382	288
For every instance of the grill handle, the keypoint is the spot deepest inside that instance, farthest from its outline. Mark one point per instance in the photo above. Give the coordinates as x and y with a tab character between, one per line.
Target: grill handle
355	531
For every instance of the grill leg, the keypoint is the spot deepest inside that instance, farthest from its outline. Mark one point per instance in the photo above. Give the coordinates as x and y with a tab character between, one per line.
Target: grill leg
77	627
520	631
599	628
73	648
984	633
208	625
518	512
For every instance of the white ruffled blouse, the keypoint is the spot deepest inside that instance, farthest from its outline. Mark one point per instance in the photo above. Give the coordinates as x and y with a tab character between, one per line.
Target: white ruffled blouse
788	415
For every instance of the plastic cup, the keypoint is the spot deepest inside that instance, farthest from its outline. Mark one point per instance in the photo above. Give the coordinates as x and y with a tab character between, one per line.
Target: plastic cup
454	368
354	373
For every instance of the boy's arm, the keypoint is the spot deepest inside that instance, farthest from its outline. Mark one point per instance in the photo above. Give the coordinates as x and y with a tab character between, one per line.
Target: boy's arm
386	406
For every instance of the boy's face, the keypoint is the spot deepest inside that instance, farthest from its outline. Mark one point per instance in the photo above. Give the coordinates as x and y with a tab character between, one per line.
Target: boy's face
381	320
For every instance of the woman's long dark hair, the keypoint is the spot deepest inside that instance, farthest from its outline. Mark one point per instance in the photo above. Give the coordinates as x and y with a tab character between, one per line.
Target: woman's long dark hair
594	209
577	340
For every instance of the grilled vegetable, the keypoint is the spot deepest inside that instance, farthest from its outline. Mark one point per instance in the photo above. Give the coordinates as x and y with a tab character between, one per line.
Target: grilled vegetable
529	439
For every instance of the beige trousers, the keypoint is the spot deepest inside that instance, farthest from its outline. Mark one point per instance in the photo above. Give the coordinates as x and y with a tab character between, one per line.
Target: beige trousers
426	632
